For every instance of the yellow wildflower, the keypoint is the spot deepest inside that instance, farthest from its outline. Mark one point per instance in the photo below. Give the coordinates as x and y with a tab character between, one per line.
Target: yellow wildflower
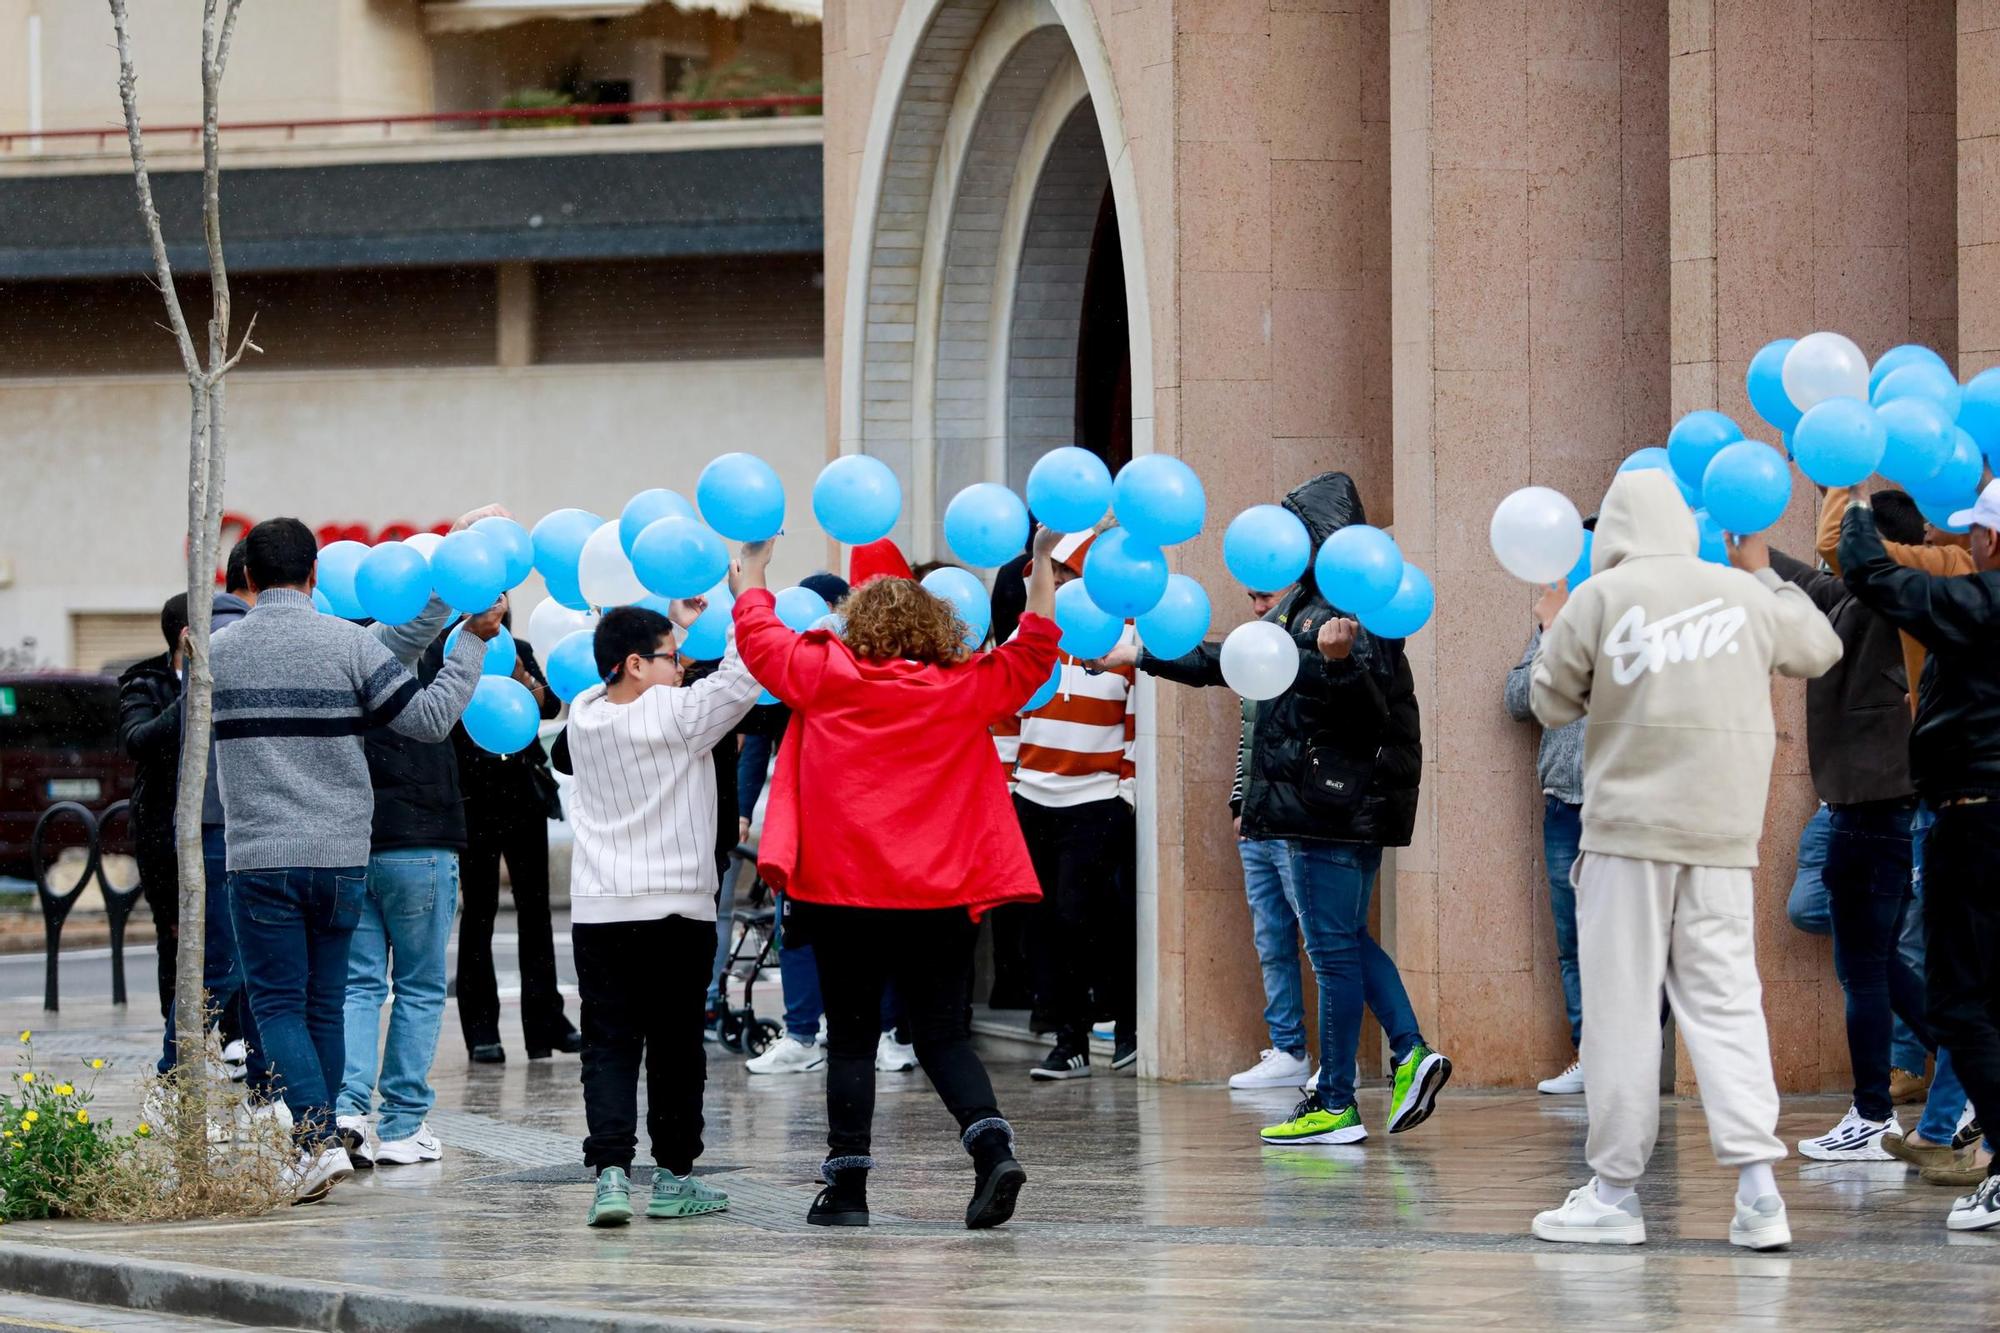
145	1130
83	1117
28	1076
25	1034
64	1089
97	1064
30	1117
8	1134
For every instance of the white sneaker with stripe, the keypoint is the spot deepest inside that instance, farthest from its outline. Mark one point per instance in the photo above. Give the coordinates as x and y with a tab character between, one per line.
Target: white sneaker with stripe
1854	1139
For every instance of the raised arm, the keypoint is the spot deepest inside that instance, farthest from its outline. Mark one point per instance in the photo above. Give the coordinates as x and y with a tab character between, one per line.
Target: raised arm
145	732
1518	680
707	711
391	696
1950	614
1559	688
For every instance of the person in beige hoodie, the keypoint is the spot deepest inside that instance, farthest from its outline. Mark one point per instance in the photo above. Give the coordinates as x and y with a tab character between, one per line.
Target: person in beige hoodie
1671	658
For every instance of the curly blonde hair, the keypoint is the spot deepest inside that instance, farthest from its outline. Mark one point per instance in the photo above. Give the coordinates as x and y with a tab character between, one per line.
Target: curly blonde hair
890	618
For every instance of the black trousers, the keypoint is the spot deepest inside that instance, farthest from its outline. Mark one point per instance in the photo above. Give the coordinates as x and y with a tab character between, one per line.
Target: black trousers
160	886
928	955
1867	877
1088	929
1962	949
643	985
522	836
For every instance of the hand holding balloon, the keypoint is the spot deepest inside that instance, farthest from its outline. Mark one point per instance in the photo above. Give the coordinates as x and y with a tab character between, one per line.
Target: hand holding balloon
1124	655
487	623
1042	574
471	516
1549	605
751	562
687	610
1748	553
1336	638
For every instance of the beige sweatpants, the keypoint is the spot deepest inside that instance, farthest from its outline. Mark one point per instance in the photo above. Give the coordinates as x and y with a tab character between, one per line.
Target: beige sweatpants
1642	925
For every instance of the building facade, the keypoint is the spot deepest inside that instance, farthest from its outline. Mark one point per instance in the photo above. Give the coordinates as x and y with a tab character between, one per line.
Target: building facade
560	308
1453	247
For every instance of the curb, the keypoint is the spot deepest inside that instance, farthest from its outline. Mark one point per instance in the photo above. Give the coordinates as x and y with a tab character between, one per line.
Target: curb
291	1303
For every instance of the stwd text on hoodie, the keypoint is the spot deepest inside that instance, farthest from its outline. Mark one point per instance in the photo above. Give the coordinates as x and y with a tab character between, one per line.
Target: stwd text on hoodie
1671	657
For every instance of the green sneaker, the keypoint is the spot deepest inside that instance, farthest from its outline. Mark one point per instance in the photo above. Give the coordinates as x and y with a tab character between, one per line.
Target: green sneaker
683	1196
1311	1122
1419	1078
613	1205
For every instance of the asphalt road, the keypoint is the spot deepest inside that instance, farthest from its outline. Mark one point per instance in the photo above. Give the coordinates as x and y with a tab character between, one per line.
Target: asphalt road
86	972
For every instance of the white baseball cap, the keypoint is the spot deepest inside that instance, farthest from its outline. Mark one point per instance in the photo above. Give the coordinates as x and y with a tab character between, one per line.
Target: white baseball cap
1985	511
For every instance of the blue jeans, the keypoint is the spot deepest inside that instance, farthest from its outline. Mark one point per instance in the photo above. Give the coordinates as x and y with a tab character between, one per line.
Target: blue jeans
1868	876
1562	831
221	976
1332	883
800	973
1274	926
292	931
405	932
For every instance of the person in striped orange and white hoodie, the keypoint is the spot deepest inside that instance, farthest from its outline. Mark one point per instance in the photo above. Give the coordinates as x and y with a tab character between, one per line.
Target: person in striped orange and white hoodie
1073	790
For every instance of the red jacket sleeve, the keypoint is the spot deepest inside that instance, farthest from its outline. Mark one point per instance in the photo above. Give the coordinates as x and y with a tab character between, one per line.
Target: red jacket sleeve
788	664
1007	677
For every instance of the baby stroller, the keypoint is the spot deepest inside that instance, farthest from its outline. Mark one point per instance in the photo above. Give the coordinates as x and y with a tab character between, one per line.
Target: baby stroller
753	947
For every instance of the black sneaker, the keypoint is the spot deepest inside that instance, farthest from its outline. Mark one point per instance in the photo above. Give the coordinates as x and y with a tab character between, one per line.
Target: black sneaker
1063	1063
1126	1053
1978	1210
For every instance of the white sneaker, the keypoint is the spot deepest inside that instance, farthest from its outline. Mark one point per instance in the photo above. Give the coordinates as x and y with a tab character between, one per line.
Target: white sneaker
1274	1069
789	1055
235	1061
1854	1139
1566	1084
893	1057
422	1146
1761	1225
1978	1210
354	1137
1584	1219
310	1178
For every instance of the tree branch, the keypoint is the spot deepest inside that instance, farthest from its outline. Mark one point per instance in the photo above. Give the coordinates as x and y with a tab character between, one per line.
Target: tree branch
128	96
245	346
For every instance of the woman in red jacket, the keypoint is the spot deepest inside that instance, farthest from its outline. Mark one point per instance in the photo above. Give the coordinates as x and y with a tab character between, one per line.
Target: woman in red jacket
890	833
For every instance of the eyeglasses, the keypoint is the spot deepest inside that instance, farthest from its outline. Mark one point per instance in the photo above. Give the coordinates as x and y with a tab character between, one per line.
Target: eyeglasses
654	657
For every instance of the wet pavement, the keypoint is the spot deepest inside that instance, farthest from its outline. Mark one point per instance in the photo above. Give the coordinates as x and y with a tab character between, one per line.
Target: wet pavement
1148	1205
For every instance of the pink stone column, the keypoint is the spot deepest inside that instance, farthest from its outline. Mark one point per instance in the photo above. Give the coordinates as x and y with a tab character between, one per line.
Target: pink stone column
1529	318
1978	145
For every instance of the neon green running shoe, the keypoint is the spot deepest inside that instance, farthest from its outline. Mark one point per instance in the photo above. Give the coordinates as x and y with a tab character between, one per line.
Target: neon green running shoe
683	1196
1419	1078
1311	1122
613	1205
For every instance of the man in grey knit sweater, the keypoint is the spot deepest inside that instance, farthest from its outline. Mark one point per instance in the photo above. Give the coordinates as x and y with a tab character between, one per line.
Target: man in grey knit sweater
294	692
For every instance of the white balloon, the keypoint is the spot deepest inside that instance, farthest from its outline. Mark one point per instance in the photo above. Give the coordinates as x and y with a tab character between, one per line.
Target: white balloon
1822	366
550	622
1537	534
604	571
425	542
1259	660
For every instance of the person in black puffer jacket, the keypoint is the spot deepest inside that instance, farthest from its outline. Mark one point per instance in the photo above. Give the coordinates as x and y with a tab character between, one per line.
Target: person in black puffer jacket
1332	770
149	731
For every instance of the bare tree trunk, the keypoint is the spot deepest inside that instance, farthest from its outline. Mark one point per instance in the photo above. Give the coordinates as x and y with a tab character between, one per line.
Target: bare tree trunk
205	476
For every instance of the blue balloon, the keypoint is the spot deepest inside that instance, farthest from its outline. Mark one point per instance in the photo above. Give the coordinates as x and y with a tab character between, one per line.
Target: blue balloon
708	637
1939	516
1581	570
517	548
678	556
501	716
1747	487
1909	354
1159	500
1957	482
393	583
1921	380
1839	442
1653	456
1696	439
572	665
321	604
1359	568
1764	381
857	499
1069	489
558	541
469	571
1087	630
1266	547
986	525
1125	575
647	508
500	651
1919	439
1405	613
968	598
1041	697
339	562
1714	546
1179	622
741	497
1979	413
799	607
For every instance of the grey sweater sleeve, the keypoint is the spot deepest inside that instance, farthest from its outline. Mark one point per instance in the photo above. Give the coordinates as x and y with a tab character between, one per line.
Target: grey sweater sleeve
406	642
1520	678
391	697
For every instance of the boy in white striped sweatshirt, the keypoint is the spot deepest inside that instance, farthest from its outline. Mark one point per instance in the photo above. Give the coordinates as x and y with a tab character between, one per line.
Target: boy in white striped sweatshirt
642	900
